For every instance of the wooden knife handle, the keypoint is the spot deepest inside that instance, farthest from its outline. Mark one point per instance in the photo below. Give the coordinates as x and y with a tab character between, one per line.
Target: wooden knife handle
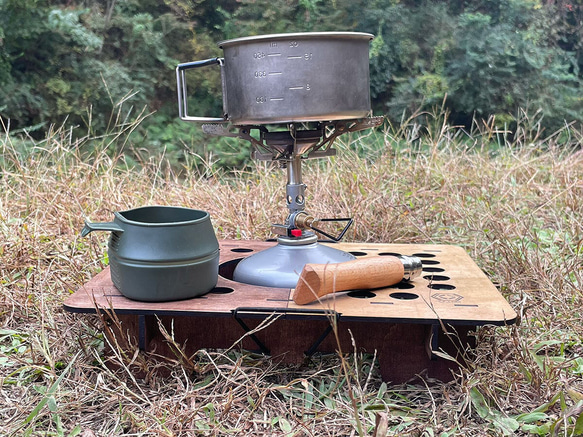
317	280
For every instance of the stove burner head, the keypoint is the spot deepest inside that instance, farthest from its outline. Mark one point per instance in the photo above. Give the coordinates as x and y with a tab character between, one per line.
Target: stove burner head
280	265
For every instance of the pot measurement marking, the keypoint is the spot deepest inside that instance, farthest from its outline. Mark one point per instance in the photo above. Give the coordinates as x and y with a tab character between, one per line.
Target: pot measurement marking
295	57
273	54
264	99
260	74
301	87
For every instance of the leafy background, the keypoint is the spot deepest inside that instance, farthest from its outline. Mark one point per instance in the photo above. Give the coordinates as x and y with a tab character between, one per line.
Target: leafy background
77	62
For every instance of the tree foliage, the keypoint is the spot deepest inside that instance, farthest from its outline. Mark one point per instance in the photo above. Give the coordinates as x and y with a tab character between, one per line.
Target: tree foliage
62	59
77	59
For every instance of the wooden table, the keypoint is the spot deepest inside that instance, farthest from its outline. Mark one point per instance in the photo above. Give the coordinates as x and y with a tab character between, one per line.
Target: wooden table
406	324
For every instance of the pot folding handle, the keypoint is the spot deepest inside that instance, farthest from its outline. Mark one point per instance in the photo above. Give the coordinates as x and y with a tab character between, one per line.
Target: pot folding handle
108	226
183	94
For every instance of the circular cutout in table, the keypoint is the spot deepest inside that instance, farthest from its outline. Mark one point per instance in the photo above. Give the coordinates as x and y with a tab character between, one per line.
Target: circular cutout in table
222	290
361	294
429	262
358	253
403	295
433	269
424	255
436	277
441	286
241	250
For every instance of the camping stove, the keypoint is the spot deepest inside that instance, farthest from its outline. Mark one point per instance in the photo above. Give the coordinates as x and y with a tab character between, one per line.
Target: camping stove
291	96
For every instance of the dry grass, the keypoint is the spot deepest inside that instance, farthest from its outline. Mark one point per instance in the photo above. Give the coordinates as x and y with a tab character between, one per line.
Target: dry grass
515	205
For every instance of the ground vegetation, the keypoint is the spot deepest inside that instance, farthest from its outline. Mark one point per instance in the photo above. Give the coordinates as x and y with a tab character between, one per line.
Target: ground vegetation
515	206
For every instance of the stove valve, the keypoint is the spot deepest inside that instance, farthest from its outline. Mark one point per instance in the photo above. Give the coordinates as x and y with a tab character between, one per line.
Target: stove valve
297	222
287	231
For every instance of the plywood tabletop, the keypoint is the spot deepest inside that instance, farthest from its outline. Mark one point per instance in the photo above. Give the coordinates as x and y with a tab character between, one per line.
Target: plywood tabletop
451	289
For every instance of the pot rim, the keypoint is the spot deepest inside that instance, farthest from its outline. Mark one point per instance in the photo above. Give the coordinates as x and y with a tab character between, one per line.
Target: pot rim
297	35
118	215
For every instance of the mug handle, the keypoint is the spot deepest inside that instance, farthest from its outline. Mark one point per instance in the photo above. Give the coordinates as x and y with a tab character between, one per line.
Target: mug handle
108	226
182	92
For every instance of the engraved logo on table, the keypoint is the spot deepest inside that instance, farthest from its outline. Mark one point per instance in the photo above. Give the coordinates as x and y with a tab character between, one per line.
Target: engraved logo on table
447	297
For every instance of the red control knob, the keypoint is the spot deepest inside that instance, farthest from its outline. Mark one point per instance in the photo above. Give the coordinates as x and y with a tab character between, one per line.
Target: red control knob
296	232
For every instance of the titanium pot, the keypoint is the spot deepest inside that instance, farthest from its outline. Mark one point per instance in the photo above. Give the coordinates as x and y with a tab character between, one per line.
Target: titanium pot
161	253
290	77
